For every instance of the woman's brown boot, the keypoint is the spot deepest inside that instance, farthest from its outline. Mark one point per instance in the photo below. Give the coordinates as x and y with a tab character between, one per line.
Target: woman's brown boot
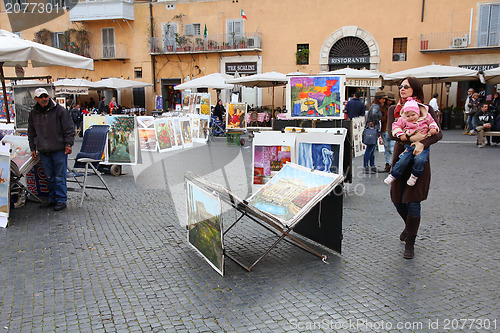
403	234
412	224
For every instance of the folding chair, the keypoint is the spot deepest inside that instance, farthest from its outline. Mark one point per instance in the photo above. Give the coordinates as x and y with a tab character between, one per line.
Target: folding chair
90	155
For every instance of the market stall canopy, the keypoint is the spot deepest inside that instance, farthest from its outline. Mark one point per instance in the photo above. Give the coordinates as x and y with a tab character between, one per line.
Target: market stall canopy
73	86
492	76
296	73
262	80
210	81
434	74
17	51
26	83
119	84
359	77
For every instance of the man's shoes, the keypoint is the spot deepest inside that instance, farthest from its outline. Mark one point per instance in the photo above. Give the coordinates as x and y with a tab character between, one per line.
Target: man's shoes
369	170
59	206
47	204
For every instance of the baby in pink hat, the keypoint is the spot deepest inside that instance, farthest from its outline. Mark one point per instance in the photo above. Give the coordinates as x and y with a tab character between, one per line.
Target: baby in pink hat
415	118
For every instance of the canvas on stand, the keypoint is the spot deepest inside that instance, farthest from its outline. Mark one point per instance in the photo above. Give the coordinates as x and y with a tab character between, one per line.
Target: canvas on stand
4	184
316	97
205	233
122	140
147	134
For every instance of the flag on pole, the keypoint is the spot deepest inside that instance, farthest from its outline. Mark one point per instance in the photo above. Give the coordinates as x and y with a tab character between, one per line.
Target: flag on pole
243	15
205	32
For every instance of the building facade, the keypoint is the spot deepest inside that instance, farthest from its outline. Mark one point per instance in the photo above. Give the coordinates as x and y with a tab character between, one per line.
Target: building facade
169	42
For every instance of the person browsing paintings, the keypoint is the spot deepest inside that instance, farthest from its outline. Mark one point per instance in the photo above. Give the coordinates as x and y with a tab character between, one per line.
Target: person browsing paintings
219	110
51	135
407	199
113	106
411	122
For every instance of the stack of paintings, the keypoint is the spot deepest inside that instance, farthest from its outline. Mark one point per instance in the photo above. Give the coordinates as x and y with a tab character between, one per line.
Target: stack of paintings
20	153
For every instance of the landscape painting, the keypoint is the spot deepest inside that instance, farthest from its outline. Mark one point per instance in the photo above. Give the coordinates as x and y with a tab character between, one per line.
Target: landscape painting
204	213
122	141
315	96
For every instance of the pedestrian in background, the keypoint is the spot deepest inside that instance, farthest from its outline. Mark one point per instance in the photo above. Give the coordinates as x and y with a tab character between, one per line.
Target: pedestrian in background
102	105
407	199
373	121
434	103
467	110
388	143
474	102
51	135
355	107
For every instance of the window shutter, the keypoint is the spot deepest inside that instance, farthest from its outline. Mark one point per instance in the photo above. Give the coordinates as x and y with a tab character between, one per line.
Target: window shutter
494	25
189	29
484	16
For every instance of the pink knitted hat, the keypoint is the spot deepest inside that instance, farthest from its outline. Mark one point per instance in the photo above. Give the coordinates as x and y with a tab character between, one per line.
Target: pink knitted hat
411	105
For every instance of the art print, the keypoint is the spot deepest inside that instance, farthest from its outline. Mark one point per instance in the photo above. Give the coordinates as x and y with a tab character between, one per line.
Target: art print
93	120
122	141
322	151
4	184
236	116
358	125
205	104
315	96
185	128
204	213
24	103
204	127
178	133
186	95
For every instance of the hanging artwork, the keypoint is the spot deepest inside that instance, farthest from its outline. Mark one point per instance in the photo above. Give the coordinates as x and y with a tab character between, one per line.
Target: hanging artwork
271	151
185	127
122	140
159	102
205	104
93	120
292	192
4	184
204	213
315	96
147	134
10	101
24	103
186	94
358	125
236	116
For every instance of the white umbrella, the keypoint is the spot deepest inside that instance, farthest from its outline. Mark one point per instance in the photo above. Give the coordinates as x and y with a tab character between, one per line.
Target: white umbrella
296	73
492	76
211	81
433	73
263	80
119	84
17	51
74	83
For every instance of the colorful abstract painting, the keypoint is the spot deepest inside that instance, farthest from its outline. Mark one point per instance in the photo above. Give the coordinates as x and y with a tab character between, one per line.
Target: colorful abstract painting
268	161
122	141
4	184
315	96
10	101
204	213
236	116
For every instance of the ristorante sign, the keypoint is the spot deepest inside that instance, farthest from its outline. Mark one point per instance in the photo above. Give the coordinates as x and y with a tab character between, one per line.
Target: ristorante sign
348	60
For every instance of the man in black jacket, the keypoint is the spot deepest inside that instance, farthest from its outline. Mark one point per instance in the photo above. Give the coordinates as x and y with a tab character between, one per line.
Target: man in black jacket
51	133
484	120
355	108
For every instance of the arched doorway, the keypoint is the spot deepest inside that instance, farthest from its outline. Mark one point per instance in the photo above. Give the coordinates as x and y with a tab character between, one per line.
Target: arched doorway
349	51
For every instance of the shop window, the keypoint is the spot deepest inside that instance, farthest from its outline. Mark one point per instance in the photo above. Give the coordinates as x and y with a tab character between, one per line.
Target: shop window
302	54
489	25
399	49
138	72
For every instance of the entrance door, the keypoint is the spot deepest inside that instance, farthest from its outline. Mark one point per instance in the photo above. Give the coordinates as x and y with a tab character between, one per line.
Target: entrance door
139	97
170	96
108	42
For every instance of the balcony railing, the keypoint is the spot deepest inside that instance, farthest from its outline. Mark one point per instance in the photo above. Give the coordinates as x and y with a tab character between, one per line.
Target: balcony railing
456	41
201	44
91	10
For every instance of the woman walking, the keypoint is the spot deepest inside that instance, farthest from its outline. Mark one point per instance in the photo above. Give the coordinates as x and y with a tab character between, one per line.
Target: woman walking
373	121
407	199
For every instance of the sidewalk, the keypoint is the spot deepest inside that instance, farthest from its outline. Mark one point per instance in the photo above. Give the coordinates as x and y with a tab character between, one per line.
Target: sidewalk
125	265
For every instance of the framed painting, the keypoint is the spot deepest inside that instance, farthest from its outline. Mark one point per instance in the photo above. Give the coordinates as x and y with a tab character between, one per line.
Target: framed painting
24	102
205	104
147	134
317	97
236	117
186	133
4	184
321	151
204	227
358	125
165	134
122	140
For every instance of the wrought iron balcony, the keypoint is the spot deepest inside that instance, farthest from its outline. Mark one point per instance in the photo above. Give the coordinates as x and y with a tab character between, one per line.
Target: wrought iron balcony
99	51
202	44
92	10
457	41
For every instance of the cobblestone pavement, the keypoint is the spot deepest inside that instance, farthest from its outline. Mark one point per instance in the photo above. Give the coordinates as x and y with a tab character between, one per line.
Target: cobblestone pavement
124	265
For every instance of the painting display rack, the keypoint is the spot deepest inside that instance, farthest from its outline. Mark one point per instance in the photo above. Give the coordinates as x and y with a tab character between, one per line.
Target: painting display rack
313	223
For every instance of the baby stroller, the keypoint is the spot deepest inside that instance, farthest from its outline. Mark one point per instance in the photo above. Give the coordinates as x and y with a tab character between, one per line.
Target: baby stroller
217	127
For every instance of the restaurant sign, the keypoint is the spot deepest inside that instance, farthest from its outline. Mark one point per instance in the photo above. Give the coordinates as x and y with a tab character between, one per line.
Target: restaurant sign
349	60
72	90
241	67
363	82
480	68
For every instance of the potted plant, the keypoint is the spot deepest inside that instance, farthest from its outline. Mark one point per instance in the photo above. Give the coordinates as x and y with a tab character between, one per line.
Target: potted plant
242	43
199	43
42	36
181	41
302	57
